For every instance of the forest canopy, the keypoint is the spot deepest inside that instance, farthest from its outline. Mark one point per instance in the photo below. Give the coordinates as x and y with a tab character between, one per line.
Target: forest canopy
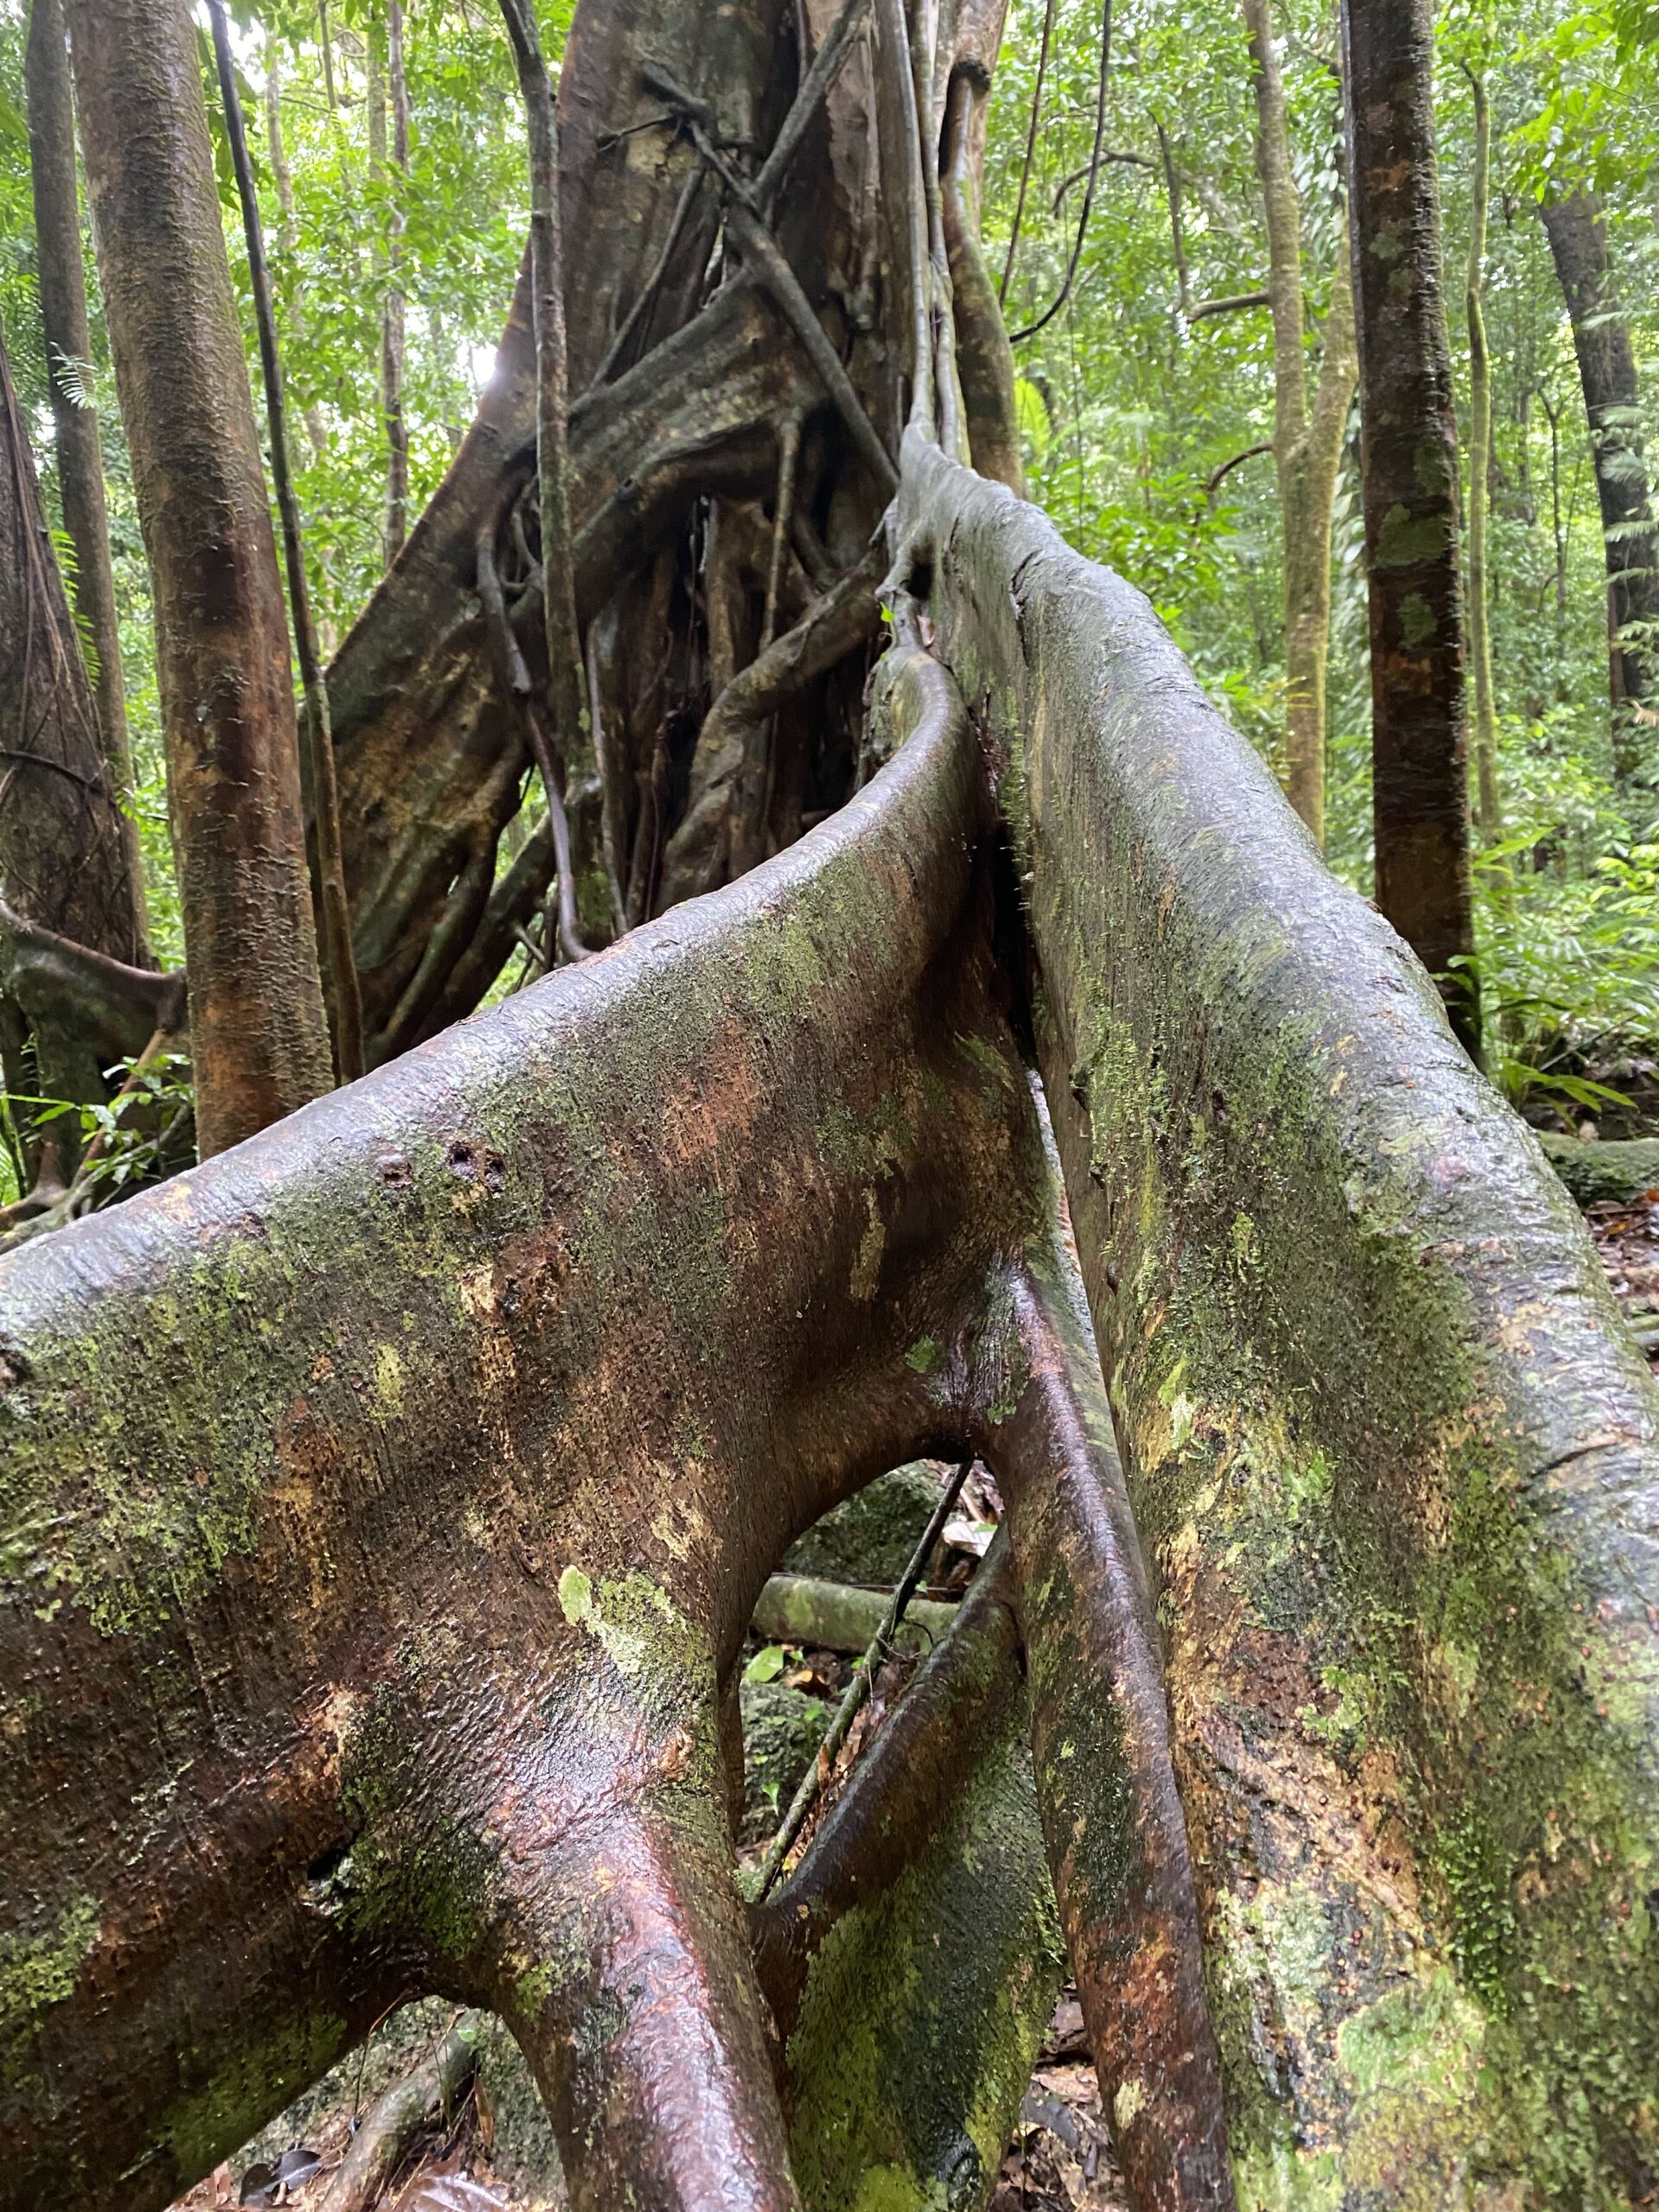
1146	414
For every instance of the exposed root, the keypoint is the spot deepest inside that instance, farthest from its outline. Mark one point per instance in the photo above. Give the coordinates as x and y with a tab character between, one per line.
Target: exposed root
431	2092
699	855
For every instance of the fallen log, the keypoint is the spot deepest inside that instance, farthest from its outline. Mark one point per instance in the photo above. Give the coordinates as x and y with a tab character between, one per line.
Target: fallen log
837	1615
1595	1173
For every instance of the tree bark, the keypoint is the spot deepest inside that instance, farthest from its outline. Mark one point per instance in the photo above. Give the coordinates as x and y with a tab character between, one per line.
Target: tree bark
383	1706
1307	440
1394	1458
984	358
1601	339
316	428
345	1001
259	1042
80	461
1480	463
395	177
1409	467
65	869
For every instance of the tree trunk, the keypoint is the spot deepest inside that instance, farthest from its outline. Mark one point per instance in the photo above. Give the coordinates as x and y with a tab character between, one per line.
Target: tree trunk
1307	443
259	1043
316	428
80	460
393	176
1480	463
1409	465
65	861
1601	339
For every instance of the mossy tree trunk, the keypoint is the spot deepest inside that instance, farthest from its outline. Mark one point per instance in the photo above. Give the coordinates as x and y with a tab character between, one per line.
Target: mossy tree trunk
1480	463
67	338
71	913
1607	377
1307	433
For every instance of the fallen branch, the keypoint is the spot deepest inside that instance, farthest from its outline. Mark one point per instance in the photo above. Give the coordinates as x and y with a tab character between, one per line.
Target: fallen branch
430	2092
879	1650
837	1615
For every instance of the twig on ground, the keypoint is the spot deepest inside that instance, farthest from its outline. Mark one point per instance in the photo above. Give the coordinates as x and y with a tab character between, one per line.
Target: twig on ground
859	1688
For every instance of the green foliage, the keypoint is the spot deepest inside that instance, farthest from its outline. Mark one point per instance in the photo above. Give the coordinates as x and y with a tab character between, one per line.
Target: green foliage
1129	406
137	1135
1142	404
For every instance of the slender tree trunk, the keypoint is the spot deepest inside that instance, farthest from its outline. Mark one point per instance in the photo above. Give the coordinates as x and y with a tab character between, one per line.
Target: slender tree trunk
1306	440
1480	461
259	1041
65	861
392	330
316	428
1601	339
984	358
1419	717
1308	504
1177	222
1557	526
80	460
345	1000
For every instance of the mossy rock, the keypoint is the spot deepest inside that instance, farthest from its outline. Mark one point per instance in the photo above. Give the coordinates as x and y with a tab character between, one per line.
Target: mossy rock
871	1536
1597	1174
782	1730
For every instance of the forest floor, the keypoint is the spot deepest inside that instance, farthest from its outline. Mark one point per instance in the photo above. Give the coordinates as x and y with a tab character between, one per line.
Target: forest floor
1627	1236
494	2155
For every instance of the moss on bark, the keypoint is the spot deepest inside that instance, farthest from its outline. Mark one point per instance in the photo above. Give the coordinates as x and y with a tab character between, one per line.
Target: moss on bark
1392	1457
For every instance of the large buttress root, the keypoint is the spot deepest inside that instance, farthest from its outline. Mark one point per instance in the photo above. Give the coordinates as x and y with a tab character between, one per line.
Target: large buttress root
1393	1459
614	1290
1100	1726
578	1810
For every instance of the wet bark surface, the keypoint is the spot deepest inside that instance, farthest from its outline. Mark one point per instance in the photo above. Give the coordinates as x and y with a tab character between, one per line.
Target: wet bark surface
489	1763
1392	1454
258	1040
